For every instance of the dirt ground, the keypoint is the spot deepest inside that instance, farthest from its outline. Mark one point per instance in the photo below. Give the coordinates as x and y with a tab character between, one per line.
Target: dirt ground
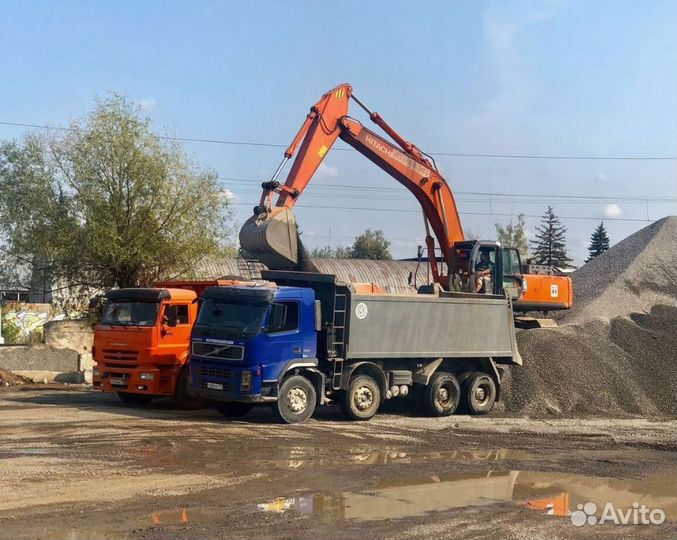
75	464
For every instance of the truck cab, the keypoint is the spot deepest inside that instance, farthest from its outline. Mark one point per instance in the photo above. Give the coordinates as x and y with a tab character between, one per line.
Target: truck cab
141	344
245	338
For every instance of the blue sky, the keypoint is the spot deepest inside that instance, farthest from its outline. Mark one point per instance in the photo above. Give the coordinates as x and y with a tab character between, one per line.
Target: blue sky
578	78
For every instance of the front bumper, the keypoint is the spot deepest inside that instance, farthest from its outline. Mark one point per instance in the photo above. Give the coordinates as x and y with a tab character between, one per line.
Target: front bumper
162	382
222	381
222	395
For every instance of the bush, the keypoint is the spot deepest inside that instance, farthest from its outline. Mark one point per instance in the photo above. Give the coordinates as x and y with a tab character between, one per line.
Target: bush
12	333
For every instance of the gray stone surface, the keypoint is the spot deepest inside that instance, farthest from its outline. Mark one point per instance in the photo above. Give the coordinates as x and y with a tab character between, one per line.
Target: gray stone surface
38	357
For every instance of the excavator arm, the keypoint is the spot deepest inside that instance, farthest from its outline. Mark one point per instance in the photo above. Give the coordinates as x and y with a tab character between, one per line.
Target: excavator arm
271	233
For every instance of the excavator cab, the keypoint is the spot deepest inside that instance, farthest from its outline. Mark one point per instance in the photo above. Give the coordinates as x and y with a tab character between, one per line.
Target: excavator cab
468	260
472	257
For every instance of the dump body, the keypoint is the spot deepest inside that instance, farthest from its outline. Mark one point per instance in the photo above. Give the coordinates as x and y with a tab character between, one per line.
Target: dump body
332	336
380	326
427	326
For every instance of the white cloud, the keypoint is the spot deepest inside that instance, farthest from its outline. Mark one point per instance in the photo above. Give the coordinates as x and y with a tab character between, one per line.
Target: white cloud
602	179
147	104
229	195
326	171
613	211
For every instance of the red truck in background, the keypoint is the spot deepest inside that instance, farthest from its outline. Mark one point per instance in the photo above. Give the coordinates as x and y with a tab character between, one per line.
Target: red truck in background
141	344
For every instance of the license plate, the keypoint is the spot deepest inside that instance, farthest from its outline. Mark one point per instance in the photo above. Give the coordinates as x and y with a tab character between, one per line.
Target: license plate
214	386
118	382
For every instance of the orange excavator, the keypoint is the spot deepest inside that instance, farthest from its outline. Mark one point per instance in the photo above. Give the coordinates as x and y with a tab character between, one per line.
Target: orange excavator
462	265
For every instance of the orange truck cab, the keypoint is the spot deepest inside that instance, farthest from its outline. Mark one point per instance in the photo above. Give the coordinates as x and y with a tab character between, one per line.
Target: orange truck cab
141	344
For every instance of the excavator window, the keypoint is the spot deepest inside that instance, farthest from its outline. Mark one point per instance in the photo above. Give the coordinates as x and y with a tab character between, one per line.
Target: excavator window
485	270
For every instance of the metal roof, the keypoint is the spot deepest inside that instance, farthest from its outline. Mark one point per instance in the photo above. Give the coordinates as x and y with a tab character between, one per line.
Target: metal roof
393	276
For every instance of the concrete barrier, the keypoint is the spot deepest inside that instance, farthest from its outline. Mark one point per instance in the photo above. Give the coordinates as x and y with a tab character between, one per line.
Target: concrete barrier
70	334
43	363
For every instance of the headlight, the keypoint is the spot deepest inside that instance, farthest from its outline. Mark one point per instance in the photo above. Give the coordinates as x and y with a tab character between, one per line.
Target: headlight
146	376
246	381
96	372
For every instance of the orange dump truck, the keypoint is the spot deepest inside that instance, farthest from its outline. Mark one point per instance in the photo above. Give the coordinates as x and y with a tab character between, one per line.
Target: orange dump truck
141	344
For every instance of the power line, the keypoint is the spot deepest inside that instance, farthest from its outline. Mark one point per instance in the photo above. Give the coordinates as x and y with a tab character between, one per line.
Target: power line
446	154
496	214
486	200
482	193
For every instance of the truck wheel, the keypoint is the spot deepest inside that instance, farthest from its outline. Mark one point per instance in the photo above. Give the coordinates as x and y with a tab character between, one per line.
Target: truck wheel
233	409
296	400
479	393
184	395
442	395
134	399
362	399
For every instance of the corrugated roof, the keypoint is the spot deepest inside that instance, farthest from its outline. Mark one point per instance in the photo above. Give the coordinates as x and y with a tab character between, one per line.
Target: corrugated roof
393	276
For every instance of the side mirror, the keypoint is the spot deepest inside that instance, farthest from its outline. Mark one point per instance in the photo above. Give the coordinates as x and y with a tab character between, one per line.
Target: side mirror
276	318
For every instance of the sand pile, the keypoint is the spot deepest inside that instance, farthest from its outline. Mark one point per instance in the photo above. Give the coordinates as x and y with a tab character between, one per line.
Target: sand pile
616	351
7	378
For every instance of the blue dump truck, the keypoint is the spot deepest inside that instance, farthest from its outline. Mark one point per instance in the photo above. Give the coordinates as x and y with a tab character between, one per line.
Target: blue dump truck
311	340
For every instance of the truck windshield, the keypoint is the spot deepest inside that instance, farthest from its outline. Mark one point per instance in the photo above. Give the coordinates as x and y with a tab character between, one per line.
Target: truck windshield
130	313
233	318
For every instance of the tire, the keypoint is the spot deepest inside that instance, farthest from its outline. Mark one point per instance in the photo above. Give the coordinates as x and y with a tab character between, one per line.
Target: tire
134	399
184	395
479	393
442	394
296	400
362	399
233	409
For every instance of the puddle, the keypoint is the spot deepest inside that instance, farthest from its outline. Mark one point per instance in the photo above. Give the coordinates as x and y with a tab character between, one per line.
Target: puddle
23	452
551	493
556	494
299	457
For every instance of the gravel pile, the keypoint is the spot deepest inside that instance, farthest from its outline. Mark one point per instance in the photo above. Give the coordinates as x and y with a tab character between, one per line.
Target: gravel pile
7	378
637	273
615	353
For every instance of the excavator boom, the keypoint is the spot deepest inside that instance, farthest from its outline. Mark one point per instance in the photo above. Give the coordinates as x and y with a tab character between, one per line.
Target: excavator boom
271	233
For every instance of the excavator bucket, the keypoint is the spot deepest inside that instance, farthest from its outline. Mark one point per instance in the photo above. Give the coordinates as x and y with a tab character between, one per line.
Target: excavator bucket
272	238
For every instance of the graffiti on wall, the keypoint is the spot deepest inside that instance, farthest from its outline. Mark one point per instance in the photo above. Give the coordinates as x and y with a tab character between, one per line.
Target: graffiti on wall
28	317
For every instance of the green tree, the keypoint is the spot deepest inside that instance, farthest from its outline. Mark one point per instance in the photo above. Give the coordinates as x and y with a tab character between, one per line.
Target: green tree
371	245
368	245
514	235
549	247
109	202
599	242
325	252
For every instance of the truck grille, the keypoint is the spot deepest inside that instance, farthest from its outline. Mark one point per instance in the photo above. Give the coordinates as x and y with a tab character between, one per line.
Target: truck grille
110	354
212	350
120	359
216	372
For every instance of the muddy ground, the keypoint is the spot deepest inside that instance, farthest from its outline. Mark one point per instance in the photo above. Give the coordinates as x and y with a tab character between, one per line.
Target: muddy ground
78	464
